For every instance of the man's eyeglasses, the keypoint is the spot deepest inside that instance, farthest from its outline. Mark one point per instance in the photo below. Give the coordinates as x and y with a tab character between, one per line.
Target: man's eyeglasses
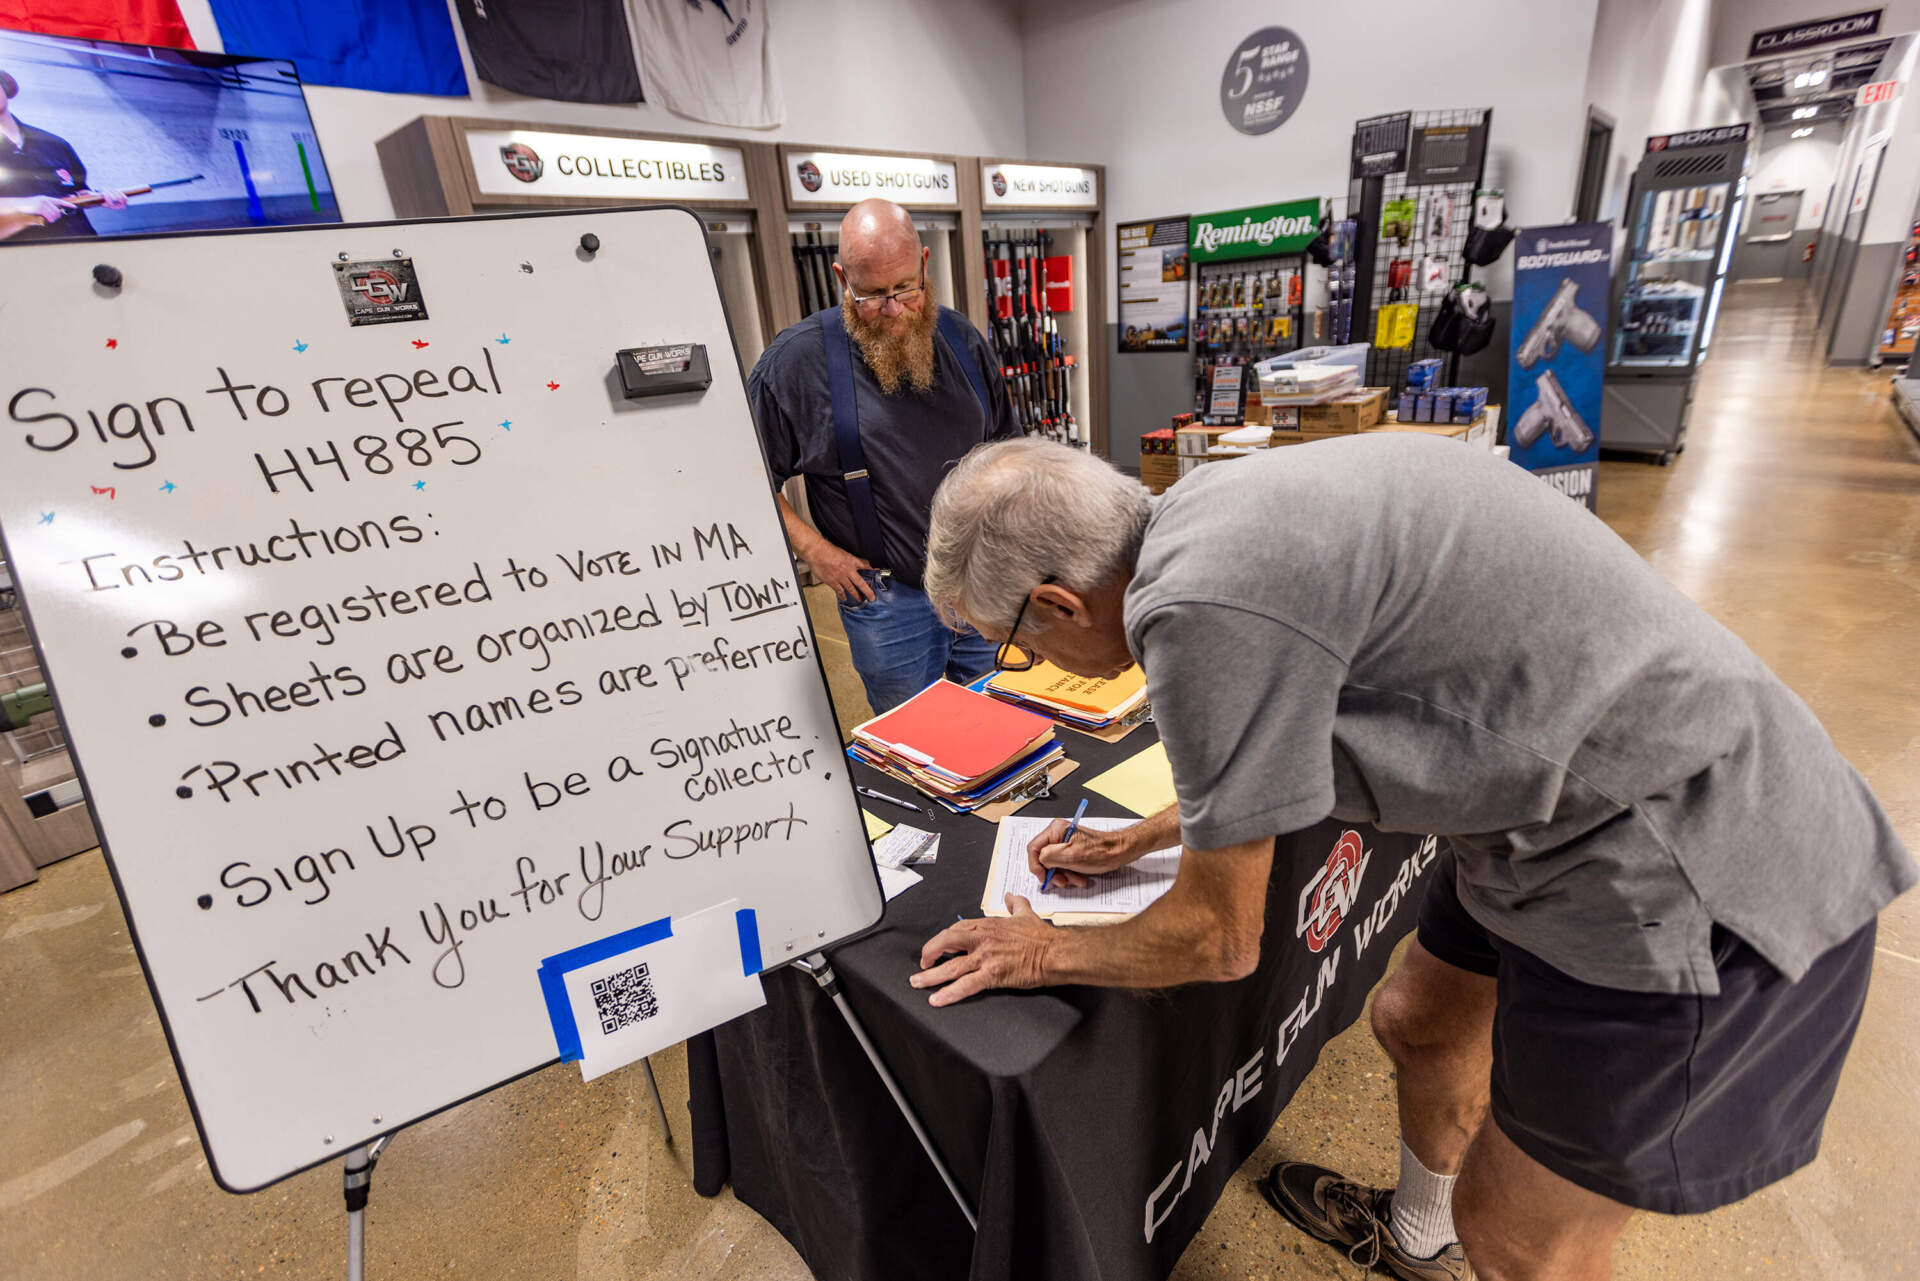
875	302
1003	658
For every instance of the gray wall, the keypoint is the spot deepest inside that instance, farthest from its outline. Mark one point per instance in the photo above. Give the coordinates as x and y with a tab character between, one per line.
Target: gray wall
1861	310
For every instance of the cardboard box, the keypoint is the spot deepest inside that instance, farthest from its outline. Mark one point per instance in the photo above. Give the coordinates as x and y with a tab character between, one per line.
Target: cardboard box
1157	471
1191	442
1452	431
1283	417
1355	412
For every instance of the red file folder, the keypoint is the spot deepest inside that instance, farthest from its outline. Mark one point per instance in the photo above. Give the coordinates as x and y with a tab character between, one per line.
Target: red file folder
949	728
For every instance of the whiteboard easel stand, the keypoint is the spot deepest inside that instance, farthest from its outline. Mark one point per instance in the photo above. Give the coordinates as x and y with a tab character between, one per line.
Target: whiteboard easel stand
821	970
359	1184
360	1162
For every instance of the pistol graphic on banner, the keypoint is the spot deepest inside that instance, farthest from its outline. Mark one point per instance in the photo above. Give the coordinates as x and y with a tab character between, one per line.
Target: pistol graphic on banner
1562	320
1553	413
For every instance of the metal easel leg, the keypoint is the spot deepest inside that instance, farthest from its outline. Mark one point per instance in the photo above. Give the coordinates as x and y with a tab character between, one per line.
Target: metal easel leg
821	970
359	1185
658	1106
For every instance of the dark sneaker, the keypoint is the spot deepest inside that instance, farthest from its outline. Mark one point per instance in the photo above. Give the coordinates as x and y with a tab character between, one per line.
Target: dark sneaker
1356	1218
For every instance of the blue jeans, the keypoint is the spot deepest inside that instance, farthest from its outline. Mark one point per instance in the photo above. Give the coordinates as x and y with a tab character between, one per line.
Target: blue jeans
900	646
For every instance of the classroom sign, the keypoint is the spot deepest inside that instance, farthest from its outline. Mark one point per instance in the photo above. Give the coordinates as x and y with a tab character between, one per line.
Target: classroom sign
420	679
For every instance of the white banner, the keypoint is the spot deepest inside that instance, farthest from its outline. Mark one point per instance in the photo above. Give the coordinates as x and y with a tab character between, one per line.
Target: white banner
1038	187
838	179
522	162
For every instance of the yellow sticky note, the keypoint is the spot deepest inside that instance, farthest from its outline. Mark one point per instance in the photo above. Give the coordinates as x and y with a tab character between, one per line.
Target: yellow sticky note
1143	782
876	827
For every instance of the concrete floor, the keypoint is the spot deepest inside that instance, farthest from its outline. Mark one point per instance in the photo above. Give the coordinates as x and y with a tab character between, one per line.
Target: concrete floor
1793	516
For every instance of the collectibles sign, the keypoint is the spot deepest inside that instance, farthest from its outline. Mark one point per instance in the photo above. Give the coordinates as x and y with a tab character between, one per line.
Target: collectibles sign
1265	78
837	179
1258	232
1037	187
1346	930
523	162
1153	285
1560	277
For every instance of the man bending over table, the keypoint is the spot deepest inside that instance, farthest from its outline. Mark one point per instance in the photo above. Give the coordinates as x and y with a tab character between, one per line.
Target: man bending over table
1646	949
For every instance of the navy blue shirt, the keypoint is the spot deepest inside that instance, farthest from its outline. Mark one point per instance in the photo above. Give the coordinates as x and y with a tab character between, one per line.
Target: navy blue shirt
910	439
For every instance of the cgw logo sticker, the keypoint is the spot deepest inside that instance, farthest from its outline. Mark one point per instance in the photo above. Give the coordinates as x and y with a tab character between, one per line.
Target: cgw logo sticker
522	161
1329	897
380	291
809	175
378	286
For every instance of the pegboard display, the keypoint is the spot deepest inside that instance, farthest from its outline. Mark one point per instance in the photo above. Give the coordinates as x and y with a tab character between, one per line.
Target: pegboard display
1411	243
1245	311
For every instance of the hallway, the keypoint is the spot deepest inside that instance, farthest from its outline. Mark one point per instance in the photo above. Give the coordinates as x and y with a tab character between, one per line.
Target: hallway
1793	516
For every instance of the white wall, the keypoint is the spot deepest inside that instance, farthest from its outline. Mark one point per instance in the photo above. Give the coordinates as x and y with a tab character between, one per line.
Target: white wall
891	74
1136	85
1647	70
1809	164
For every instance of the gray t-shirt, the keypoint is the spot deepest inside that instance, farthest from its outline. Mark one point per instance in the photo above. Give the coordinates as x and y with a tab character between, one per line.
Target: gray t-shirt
1409	632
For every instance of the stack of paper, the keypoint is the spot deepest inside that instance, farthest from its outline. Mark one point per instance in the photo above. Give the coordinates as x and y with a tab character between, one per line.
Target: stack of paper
963	749
1088	703
1306	384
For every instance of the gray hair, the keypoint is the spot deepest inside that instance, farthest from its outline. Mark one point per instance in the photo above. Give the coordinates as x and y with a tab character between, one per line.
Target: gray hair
1017	512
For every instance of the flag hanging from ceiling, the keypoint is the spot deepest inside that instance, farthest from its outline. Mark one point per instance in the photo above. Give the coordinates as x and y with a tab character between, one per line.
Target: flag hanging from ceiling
709	60
128	21
392	46
572	50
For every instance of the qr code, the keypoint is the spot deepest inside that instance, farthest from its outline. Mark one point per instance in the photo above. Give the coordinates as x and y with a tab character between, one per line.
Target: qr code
623	999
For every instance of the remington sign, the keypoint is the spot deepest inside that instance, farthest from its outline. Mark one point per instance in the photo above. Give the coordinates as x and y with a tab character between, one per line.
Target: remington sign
1255	233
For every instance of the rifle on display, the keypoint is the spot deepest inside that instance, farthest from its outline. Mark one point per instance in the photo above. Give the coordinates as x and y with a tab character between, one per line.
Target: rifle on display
803	271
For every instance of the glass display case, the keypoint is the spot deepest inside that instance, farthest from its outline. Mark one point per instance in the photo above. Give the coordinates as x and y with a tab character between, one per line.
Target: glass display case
1674	266
1684	215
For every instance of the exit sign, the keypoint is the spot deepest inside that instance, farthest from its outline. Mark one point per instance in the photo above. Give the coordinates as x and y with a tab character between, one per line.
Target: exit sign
1885	91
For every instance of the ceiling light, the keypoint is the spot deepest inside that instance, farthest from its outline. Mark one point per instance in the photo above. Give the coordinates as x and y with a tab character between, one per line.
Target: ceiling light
1802	80
1805	113
1817	76
1802	133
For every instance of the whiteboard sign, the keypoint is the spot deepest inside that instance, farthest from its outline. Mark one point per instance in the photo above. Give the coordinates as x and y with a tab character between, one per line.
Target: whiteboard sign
1038	187
838	179
525	162
398	657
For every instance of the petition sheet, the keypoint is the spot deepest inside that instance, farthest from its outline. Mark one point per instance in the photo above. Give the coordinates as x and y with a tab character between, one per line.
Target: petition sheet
1126	890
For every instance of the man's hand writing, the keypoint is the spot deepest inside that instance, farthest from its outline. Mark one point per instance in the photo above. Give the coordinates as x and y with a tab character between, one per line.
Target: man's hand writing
1089	854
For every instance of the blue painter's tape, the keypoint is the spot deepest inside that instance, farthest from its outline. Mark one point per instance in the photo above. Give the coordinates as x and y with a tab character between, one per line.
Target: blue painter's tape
554	969
749	926
612	945
566	1033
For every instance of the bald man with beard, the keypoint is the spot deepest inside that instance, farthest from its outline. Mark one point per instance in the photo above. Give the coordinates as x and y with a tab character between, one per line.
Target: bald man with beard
873	402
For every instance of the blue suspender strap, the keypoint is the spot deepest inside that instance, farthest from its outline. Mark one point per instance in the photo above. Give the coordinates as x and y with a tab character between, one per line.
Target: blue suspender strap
953	329
846	435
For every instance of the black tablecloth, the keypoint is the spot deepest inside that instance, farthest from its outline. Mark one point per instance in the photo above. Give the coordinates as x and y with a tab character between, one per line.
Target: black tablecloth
1093	1129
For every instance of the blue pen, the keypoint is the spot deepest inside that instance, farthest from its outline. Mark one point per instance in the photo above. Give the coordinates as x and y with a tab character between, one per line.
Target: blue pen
1072	827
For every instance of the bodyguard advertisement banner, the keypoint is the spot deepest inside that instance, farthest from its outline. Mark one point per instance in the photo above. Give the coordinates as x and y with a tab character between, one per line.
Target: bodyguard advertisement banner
1560	283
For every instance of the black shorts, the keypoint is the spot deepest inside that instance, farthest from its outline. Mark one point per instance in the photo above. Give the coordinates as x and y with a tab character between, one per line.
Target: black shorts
1676	1104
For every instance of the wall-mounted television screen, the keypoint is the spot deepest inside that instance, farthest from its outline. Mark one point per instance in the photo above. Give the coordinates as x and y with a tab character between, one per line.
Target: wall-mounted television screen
102	139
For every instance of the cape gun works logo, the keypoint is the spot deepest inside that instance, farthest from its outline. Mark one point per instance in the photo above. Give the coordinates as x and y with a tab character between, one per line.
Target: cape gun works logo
1329	897
999	183
522	161
1264	232
809	175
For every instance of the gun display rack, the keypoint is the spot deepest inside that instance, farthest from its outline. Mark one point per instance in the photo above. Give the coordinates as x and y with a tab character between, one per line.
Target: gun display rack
1244	311
815	246
1026	333
43	818
1388	269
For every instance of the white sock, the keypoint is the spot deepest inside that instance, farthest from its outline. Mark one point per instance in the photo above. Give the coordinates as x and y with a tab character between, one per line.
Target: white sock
1422	1208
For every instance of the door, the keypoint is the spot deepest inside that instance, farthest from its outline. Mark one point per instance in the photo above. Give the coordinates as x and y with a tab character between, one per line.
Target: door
1769	243
1593	167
